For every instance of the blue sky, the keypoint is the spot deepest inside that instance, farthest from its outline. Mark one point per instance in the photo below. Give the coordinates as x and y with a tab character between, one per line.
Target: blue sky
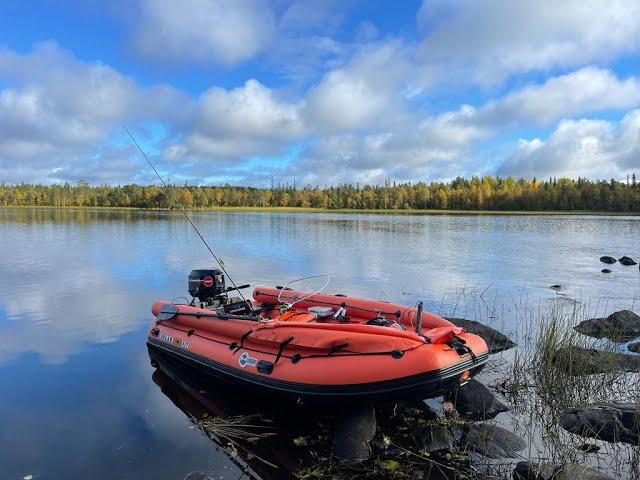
324	91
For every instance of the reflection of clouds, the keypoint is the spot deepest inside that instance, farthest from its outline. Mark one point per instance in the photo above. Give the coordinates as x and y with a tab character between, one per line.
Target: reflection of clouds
58	292
66	284
110	420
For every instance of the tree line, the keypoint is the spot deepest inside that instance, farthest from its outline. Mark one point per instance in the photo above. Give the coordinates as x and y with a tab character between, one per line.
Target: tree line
485	193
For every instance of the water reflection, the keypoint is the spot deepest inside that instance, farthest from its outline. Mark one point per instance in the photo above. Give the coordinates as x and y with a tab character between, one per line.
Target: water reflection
76	286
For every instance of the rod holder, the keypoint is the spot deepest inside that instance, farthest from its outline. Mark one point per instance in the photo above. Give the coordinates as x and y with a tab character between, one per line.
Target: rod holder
419	318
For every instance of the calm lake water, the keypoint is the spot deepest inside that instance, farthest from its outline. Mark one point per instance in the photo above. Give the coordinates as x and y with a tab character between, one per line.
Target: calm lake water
78	396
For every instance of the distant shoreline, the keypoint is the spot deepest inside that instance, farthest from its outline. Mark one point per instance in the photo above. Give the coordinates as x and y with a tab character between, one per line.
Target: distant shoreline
335	210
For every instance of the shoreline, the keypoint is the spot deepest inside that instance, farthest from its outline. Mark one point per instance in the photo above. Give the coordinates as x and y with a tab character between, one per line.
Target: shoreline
336	210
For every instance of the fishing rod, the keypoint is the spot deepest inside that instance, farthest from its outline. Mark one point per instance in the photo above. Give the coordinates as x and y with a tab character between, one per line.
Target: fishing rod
184	212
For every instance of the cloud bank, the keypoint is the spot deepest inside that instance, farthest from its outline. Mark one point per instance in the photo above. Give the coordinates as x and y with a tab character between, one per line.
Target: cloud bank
503	87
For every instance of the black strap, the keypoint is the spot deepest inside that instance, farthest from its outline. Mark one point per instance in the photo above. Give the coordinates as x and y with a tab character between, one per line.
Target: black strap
242	339
460	346
283	345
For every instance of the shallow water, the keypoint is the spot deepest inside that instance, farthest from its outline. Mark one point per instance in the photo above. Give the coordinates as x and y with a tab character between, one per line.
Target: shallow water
77	394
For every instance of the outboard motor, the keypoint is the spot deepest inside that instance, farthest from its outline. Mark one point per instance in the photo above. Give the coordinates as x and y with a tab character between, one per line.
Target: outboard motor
207	285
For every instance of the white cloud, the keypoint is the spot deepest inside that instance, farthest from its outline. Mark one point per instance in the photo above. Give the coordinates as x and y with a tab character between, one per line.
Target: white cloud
57	112
248	120
585	148
495	38
365	91
589	89
204	31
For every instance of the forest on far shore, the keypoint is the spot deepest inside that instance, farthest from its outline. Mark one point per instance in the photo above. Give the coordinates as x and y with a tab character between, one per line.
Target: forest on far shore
486	193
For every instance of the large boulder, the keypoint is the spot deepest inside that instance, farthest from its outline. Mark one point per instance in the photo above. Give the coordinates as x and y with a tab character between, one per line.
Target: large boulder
586	361
496	341
475	401
627	261
607	259
548	471
612	422
619	326
353	431
491	441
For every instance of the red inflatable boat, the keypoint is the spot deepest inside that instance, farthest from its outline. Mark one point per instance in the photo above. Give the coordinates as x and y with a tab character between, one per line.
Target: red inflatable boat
314	345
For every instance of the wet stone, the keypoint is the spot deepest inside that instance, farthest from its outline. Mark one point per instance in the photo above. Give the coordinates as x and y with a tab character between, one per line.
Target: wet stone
627	261
607	259
586	361
197	476
435	437
475	401
496	341
612	422
353	431
619	326
547	471
634	347
491	441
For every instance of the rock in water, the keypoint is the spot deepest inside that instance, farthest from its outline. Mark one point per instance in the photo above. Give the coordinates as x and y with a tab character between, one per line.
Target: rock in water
496	341
627	261
586	361
605	270
612	422
608	259
475	401
548	471
492	441
435	437
634	347
619	326
354	428
197	476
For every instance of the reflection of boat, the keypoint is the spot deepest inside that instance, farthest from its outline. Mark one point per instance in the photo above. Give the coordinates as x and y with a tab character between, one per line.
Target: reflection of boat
204	399
313	345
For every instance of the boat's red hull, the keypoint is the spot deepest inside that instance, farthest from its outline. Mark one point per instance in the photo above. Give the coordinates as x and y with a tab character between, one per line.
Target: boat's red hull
297	355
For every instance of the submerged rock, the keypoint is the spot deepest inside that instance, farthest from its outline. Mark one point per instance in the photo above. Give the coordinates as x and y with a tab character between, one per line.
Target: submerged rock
435	437
605	270
585	361
354	428
634	347
556	287
547	471
475	401
612	422
589	448
197	476
491	441
496	341
627	261
607	259
619	326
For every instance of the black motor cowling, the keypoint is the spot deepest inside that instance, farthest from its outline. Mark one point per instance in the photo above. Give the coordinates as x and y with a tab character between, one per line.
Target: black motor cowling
206	284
